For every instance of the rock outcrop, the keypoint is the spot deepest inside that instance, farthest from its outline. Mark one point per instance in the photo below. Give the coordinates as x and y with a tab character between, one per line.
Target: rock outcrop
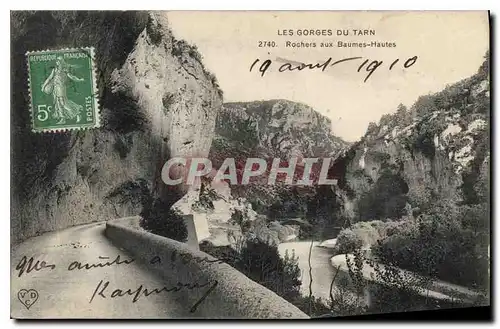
279	128
157	101
436	150
267	130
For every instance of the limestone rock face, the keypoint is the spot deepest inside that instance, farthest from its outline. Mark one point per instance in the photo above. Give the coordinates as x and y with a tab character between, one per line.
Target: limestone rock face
157	101
439	149
279	128
267	130
173	89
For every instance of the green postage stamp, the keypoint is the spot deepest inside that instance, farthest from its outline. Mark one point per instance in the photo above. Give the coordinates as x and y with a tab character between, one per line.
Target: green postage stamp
63	89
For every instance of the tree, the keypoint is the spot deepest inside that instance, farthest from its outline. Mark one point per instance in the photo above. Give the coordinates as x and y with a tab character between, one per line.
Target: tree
392	289
403	116
484	70
424	105
372	127
207	196
262	263
159	218
348	241
450	242
239	218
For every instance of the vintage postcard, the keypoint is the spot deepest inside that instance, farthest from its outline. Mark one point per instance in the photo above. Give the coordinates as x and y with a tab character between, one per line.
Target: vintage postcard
249	165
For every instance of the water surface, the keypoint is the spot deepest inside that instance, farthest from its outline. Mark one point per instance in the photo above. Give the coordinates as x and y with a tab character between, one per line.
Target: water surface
322	271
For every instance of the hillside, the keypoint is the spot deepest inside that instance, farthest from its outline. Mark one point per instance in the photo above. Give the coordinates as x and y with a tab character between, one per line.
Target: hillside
438	149
273	129
277	128
416	188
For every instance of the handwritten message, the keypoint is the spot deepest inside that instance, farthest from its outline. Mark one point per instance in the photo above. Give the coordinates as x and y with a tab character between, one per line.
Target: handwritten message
103	289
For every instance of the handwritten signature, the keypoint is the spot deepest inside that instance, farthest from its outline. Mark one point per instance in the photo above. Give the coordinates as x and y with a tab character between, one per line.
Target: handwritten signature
100	290
369	66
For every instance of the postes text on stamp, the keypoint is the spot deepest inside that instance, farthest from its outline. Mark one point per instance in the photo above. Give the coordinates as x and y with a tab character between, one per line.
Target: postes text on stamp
63	89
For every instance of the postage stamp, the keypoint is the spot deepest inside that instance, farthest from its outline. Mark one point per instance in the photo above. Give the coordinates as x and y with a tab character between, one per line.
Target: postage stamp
63	90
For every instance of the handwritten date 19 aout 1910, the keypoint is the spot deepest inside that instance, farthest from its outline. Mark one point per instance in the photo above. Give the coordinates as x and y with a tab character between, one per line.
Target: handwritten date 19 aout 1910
369	66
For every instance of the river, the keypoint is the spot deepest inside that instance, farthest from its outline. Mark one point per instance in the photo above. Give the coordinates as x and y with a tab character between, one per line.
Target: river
322	271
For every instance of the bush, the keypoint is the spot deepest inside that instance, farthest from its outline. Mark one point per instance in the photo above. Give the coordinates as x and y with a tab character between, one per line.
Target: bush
240	219
207	196
423	137
159	218
259	206
424	105
348	241
450	242
312	306
368	234
265	266
154	32
167	101
372	128
262	263
226	254
475	187
395	290
343	301
484	70
181	47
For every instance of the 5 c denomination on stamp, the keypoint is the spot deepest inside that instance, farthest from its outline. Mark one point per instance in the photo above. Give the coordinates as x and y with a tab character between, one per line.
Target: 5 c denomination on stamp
63	89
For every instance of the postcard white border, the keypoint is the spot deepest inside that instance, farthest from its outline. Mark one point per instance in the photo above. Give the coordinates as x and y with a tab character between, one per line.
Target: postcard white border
492	5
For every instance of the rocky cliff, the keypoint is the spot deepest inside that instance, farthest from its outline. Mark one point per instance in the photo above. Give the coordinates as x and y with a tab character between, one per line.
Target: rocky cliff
267	130
157	101
434	151
277	128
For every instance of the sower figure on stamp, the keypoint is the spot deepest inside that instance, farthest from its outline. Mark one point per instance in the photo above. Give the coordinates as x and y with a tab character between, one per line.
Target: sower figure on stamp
55	84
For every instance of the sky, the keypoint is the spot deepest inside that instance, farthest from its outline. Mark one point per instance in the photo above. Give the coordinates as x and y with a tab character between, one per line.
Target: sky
449	47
